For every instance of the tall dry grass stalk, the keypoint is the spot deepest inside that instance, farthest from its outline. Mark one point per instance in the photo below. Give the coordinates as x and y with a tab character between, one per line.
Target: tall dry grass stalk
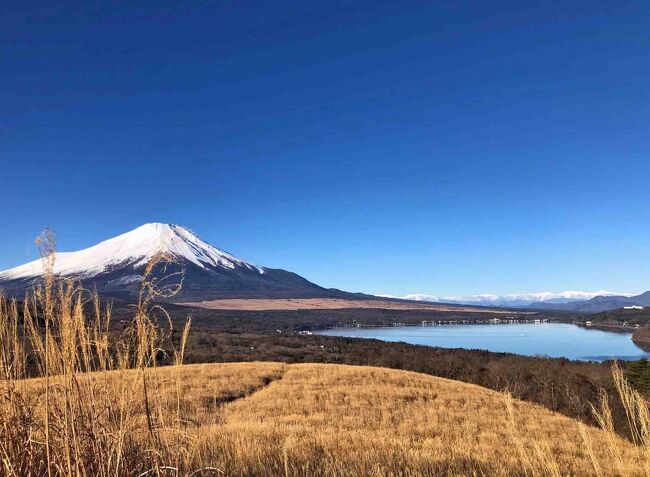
638	420
612	452
77	416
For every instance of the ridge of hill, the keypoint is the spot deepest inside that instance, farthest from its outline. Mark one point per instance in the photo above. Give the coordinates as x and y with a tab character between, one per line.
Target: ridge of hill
269	419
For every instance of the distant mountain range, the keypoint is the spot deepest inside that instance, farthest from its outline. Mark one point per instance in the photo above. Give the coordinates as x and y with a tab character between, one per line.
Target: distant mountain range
577	301
512	299
597	304
116	267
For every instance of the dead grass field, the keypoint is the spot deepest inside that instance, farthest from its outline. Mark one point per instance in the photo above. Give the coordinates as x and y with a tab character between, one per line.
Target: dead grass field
255	304
269	419
350	420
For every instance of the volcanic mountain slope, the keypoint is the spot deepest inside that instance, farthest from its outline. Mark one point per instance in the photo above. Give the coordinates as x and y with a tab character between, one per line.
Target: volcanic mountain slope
116	267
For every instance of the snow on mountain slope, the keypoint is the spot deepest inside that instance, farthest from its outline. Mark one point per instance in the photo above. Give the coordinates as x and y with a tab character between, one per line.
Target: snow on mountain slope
513	299
527	298
134	248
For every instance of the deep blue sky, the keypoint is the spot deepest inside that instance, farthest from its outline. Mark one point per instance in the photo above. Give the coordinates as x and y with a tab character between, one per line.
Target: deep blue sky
439	147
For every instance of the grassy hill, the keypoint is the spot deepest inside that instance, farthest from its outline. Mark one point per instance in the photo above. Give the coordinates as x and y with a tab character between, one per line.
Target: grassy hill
350	420
269	419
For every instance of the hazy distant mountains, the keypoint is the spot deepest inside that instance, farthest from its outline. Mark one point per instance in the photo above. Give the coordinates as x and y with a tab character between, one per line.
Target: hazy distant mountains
116	267
578	301
597	304
513	299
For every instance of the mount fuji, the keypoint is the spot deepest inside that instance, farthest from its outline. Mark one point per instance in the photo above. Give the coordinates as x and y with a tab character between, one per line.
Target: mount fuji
116	267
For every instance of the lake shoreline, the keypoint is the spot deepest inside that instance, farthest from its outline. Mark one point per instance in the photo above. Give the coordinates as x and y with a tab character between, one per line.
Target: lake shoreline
556	339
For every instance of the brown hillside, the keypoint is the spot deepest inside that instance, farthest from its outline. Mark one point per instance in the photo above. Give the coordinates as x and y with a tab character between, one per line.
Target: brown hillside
269	419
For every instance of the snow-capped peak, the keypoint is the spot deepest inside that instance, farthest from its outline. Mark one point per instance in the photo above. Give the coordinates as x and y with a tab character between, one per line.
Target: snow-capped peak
512	299
134	248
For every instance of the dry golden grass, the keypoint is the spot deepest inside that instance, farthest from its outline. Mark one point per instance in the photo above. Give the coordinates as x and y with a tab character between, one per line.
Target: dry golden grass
200	390
252	304
268	419
349	420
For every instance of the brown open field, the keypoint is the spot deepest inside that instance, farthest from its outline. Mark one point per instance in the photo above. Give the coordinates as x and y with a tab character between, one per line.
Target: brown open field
269	419
265	304
349	420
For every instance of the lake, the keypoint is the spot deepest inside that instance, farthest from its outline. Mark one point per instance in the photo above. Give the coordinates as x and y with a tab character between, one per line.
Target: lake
558	340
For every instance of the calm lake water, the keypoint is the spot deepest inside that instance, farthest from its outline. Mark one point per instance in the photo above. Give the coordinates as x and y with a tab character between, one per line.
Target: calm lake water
549	339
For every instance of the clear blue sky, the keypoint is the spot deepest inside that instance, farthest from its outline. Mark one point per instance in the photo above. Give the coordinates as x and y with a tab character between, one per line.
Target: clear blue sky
438	147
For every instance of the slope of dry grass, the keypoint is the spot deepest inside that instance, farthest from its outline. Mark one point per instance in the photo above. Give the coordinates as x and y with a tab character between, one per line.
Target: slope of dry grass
337	304
198	390
349	420
268	419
